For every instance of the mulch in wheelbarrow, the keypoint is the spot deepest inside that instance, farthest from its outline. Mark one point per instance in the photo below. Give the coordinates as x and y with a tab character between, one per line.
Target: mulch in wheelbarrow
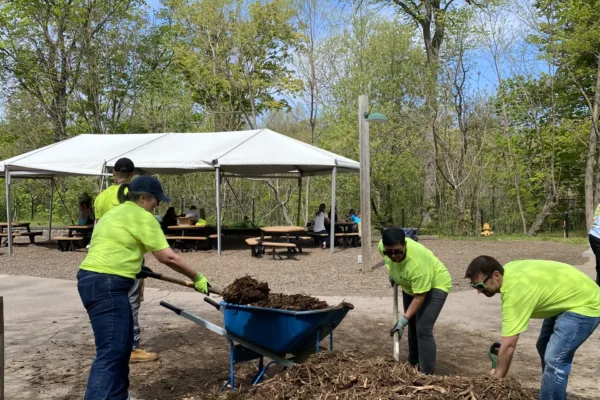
351	375
247	290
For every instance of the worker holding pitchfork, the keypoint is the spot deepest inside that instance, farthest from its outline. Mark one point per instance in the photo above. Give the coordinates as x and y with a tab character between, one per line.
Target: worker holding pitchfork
425	284
566	298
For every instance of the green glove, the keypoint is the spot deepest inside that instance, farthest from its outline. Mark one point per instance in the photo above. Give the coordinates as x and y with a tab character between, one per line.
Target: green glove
201	283
399	327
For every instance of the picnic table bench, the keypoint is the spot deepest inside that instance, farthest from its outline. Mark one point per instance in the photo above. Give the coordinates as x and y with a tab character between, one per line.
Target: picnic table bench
20	226
258	246
187	242
78	237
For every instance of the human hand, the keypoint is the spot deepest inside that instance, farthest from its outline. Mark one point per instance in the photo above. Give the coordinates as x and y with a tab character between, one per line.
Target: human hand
201	283
399	327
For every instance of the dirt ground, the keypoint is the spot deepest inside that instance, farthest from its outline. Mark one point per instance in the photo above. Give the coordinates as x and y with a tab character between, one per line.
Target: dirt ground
194	362
314	272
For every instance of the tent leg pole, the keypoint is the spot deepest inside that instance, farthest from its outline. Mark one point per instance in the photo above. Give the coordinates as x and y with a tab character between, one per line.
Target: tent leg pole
299	199
332	219
218	182
51	208
8	211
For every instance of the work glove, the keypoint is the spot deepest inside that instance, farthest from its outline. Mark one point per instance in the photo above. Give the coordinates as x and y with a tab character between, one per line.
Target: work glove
201	283
399	327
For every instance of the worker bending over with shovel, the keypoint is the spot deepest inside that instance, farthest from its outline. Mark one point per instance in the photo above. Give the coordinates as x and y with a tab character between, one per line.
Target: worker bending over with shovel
425	284
120	239
566	298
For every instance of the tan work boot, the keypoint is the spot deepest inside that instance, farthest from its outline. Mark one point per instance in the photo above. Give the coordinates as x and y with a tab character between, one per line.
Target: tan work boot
139	355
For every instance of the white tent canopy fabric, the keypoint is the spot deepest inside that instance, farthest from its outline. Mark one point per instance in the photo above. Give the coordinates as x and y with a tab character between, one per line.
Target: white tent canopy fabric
256	152
242	153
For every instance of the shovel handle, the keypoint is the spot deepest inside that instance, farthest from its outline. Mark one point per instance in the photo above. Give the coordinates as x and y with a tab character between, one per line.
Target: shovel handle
180	282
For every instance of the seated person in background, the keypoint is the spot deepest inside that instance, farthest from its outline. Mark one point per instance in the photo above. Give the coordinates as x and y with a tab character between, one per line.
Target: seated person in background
170	219
193	213
319	226
353	216
86	212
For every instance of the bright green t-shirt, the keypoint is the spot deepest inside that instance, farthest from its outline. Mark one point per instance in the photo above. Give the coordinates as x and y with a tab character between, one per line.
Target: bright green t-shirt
120	240
106	200
419	272
544	289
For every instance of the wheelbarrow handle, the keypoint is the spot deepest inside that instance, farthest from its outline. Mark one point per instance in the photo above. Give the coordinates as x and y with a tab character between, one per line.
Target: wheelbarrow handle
171	307
212	303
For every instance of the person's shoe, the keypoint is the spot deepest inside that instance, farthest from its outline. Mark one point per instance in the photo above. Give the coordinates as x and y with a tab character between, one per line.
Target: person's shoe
324	245
139	355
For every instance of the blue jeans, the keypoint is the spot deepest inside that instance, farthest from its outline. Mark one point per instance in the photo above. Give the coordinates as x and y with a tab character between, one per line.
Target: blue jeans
320	239
559	338
105	298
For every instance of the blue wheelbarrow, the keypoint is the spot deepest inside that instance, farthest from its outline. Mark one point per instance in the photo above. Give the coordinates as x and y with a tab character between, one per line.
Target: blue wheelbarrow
253	333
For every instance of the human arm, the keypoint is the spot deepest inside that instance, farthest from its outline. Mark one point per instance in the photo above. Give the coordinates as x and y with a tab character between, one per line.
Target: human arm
172	260
505	355
415	305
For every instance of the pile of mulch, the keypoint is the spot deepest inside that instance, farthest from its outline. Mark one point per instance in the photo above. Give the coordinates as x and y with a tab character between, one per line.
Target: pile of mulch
349	375
247	290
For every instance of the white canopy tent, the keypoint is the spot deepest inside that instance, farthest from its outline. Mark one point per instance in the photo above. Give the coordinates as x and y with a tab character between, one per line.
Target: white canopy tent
242	153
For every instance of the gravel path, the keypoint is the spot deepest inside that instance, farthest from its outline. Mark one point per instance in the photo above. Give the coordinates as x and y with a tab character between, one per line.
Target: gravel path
314	272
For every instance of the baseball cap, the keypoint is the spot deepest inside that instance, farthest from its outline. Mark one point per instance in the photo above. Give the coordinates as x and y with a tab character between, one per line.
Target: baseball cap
149	184
124	165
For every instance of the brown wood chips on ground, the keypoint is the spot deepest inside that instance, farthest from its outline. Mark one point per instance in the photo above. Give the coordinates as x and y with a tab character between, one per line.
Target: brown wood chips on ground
348	375
247	290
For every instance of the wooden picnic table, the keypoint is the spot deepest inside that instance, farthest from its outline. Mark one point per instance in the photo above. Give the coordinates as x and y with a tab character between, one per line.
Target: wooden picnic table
85	229
281	230
25	225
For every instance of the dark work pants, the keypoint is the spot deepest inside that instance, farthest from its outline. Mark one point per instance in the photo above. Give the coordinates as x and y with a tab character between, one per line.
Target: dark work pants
595	244
421	343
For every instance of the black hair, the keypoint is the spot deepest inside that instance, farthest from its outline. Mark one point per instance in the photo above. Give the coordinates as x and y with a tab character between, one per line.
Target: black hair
352	212
123	175
129	196
392	235
483	265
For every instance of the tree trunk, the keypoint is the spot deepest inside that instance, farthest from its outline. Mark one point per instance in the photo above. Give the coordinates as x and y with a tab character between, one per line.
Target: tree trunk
549	205
591	156
461	222
307	202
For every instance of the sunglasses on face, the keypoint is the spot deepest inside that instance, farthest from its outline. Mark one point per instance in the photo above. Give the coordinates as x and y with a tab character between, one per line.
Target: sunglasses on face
392	253
157	201
481	285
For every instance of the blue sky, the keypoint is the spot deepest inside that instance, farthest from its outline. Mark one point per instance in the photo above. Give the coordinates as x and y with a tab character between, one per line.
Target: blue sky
482	75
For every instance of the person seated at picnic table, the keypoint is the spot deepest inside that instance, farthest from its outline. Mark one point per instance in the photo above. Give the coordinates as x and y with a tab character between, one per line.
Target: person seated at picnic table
86	211
193	213
318	226
169	219
353	217
120	239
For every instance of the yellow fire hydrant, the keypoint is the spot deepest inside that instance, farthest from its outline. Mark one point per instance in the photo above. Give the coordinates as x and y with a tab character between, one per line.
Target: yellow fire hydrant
487	231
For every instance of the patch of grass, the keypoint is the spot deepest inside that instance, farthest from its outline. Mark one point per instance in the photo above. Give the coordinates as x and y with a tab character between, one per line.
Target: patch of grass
576	238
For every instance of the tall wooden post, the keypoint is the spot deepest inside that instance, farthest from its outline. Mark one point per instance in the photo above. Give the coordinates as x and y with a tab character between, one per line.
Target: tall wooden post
1	348
365	182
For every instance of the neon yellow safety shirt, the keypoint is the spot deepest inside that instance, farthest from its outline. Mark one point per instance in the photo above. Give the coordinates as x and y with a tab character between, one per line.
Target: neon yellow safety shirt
544	289
419	272
106	200
120	240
